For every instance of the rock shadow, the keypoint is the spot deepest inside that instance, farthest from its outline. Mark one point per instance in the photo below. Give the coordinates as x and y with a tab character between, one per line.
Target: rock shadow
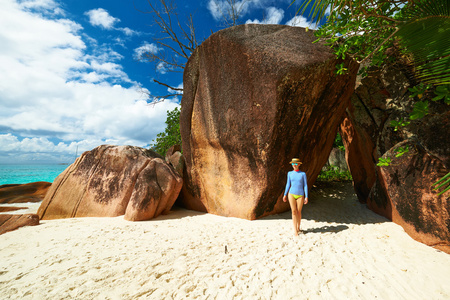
177	212
335	202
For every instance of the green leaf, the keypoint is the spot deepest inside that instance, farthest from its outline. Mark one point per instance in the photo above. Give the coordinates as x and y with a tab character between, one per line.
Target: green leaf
443	182
340	69
398	124
418	90
442	92
401	150
426	37
420	110
171	136
442	179
384	162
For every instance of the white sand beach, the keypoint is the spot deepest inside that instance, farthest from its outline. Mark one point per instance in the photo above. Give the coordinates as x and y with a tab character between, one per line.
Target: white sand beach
346	252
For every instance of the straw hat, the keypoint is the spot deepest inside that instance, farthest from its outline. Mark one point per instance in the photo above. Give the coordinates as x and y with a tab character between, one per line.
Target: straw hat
296	161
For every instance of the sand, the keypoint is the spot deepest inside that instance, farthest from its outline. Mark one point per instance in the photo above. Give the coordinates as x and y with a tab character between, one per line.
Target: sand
346	252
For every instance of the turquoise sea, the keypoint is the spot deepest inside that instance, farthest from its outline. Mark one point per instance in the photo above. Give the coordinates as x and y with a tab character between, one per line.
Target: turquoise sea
29	173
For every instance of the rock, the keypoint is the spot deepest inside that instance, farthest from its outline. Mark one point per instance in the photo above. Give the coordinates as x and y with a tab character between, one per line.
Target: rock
9	208
176	159
110	181
367	134
255	96
337	158
172	150
359	153
12	222
22	193
423	214
366	130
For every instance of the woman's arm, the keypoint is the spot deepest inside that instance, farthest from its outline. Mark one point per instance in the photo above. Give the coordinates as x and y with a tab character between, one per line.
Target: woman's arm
305	184
288	186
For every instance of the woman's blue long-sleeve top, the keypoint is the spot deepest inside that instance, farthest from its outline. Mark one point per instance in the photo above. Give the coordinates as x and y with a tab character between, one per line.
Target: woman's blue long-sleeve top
296	184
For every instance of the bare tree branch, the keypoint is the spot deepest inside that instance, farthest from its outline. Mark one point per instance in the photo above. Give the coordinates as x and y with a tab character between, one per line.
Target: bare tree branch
178	38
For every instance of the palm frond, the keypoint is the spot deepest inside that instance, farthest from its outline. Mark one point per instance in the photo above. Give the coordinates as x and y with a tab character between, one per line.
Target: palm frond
318	8
425	8
427	39
443	182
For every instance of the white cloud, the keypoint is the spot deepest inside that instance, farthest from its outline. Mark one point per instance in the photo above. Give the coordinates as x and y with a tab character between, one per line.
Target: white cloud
172	91
129	31
161	68
300	21
273	16
100	17
54	86
221	8
49	7
145	48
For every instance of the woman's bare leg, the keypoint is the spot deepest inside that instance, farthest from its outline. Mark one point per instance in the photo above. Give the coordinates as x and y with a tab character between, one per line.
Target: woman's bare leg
299	211
293	204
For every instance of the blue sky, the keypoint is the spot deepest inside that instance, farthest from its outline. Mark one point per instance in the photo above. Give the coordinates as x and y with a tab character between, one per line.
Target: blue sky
70	76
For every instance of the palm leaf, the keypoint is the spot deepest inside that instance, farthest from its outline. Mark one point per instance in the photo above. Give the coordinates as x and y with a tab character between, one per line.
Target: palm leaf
443	181
427	39
318	8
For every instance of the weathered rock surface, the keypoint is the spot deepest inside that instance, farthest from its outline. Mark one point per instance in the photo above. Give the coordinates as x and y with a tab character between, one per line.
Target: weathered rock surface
110	181
12	222
415	206
6	209
22	193
176	159
337	159
368	135
254	97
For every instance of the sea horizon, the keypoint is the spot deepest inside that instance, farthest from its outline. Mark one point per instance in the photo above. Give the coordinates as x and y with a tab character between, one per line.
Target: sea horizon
22	173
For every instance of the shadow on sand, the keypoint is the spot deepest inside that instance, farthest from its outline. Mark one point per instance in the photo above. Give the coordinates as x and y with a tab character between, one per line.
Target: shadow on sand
325	229
329	202
334	202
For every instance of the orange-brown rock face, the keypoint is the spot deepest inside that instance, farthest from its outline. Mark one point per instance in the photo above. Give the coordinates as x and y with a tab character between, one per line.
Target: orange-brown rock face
422	213
12	222
254	97
111	181
21	193
402	192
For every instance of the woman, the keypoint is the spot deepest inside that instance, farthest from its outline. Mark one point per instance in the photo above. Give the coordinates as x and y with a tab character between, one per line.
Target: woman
297	188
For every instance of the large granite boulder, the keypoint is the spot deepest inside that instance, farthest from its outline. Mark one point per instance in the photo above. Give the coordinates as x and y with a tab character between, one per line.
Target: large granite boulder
110	181
12	222
254	97
368	135
415	205
22	193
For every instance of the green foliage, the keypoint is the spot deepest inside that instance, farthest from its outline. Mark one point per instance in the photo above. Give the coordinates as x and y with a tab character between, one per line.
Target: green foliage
384	162
171	136
426	36
341	69
420	110
332	173
401	150
418	90
398	124
364	29
338	143
442	92
444	182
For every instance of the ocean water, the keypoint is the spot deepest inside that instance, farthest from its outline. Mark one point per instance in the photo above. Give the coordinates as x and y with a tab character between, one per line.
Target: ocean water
10	174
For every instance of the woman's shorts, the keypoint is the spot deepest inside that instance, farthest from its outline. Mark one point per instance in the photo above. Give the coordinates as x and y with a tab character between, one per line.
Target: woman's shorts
296	196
